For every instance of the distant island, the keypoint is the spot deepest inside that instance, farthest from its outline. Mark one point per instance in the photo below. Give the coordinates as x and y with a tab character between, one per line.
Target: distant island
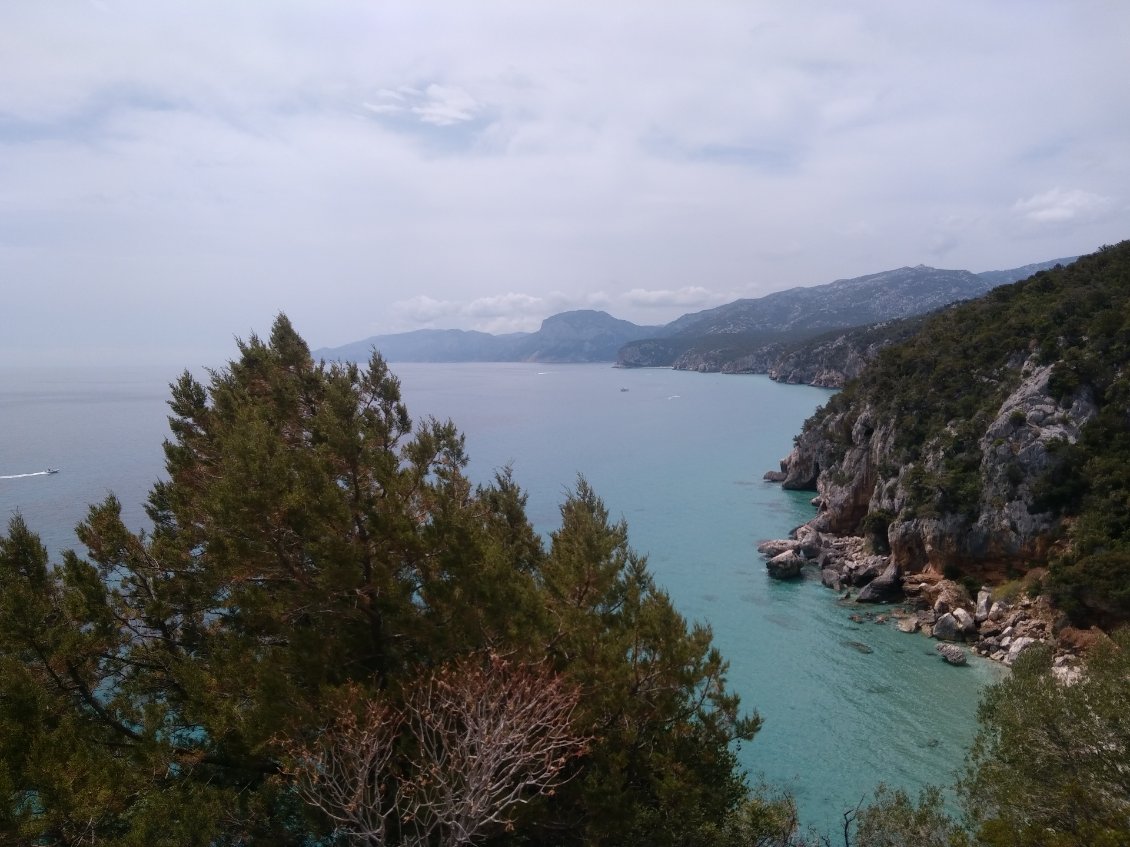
819	335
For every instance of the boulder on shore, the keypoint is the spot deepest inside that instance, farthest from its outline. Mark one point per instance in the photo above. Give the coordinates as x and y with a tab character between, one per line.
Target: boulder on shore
830	578
1018	646
984	604
785	565
776	547
965	622
886	586
946	628
951	653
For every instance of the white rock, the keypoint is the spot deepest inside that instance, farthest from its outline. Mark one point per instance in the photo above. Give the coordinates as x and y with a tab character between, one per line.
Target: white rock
1018	646
984	597
965	622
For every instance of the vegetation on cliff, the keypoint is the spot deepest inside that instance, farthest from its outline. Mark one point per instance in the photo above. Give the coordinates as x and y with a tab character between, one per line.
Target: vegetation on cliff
1004	417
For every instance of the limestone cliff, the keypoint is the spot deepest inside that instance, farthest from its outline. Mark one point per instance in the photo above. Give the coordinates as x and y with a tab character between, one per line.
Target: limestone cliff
991	442
851	457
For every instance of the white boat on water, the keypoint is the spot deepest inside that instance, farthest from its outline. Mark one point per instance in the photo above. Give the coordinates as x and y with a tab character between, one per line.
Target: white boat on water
52	470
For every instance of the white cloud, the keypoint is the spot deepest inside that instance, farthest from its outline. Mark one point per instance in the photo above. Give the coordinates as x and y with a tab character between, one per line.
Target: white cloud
509	312
506	305
1059	206
383	108
446	105
691	296
437	105
425	310
517	160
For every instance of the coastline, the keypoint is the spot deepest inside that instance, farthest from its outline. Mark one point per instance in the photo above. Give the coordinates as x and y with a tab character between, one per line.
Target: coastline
998	624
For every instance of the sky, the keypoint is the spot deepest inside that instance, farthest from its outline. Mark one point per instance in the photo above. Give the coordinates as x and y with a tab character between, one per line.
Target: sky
174	174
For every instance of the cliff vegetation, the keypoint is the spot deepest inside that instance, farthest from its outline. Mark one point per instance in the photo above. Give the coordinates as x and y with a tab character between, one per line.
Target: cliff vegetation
993	440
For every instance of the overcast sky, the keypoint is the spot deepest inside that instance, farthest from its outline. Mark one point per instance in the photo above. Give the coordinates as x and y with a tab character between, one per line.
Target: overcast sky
173	174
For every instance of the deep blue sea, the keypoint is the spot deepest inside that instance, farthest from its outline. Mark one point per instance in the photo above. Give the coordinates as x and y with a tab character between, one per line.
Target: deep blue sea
678	455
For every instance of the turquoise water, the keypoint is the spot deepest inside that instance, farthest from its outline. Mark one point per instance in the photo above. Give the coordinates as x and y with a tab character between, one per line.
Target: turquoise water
680	457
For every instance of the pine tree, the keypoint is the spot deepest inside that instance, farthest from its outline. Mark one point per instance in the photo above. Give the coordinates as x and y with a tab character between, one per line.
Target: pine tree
1050	762
313	549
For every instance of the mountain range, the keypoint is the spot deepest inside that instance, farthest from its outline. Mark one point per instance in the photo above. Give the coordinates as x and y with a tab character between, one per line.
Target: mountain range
747	335
579	336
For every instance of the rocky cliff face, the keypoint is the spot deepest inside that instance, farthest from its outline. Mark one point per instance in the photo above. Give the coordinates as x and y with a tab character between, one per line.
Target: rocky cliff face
725	360
827	366
989	446
849	458
829	361
826	361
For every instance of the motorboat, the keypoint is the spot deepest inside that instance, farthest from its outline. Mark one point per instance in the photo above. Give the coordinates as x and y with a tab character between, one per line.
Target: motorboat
52	470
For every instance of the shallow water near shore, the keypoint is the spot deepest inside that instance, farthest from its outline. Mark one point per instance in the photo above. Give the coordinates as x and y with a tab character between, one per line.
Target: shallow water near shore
678	455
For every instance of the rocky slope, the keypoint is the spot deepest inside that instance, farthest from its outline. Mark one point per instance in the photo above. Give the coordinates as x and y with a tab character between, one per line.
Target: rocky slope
826	361
851	459
990	443
829	361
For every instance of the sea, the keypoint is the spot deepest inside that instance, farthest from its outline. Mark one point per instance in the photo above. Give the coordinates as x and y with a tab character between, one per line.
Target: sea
678	455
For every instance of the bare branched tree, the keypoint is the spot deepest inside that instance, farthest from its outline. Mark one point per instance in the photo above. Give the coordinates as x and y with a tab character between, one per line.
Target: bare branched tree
484	736
345	773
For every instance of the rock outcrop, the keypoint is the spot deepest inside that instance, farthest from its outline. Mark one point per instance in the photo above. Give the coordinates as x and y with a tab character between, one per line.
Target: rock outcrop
849	459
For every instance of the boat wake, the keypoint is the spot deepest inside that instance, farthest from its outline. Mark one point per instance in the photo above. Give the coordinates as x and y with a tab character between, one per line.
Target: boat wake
22	475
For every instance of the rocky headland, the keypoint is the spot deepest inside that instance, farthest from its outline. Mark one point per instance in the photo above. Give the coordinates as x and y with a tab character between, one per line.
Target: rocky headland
972	474
865	506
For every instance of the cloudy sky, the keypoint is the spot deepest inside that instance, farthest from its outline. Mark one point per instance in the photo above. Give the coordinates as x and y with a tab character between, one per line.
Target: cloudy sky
172	174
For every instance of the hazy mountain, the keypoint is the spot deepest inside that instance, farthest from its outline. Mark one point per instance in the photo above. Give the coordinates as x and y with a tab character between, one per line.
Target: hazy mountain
845	302
428	345
995	278
580	336
746	334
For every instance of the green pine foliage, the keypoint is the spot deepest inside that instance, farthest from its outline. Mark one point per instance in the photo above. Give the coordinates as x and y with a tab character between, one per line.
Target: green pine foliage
312	543
1049	766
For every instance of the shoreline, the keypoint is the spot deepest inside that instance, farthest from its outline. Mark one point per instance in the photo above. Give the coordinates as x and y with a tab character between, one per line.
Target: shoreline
999	628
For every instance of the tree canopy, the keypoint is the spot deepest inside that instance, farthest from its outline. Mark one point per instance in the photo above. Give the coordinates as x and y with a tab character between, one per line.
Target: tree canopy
314	551
1051	763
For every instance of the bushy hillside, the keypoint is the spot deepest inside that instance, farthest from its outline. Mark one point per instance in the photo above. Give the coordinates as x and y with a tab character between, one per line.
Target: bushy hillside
996	438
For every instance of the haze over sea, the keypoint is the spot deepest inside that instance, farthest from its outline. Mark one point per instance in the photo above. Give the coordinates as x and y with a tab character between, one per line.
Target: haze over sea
678	455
